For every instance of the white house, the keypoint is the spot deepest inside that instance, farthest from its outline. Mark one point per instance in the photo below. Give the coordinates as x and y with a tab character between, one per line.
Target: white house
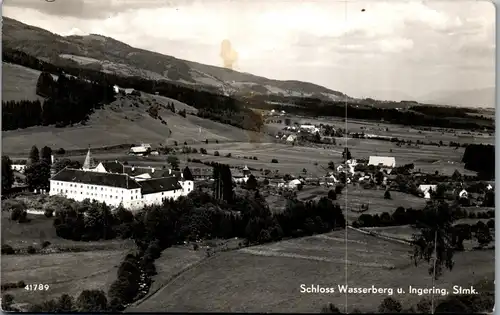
142	149
294	183
18	167
291	138
384	161
463	194
427	190
309	128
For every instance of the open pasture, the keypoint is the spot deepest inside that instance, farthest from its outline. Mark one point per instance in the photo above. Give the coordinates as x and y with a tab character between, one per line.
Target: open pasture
65	273
172	262
126	121
40	229
354	197
267	278
19	83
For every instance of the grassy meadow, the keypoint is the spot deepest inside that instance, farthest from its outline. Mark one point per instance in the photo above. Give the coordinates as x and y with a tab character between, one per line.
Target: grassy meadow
267	278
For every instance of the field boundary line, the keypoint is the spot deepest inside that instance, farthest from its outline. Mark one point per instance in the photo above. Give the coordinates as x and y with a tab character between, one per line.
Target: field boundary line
378	235
170	280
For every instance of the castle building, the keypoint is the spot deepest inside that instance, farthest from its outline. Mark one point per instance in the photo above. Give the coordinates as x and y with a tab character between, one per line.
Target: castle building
115	183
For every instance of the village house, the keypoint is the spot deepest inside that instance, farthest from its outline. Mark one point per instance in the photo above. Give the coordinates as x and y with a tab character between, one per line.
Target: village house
19	166
427	190
241	177
382	161
309	128
115	184
141	150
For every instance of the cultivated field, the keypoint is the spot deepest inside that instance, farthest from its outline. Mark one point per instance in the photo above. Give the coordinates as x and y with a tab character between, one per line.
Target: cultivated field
267	278
356	196
393	130
68	273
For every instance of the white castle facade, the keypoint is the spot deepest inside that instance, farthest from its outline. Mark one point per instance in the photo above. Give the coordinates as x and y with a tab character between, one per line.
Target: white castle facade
115	183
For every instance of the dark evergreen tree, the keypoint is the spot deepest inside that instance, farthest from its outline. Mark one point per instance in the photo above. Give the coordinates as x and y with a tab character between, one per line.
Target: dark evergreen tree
186	173
38	175
34	155
46	155
7	174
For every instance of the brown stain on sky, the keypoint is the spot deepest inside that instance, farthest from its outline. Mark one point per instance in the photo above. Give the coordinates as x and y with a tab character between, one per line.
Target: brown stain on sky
228	54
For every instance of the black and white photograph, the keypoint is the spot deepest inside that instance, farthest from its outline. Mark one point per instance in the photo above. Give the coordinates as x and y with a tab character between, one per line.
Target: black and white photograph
237	156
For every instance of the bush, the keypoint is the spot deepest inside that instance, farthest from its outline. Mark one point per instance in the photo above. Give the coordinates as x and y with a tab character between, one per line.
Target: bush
31	250
330	308
491	224
203	151
338	189
46	244
216	153
452	305
332	194
60	151
228	155
390	305
7	250
387	195
49	213
92	301
274	161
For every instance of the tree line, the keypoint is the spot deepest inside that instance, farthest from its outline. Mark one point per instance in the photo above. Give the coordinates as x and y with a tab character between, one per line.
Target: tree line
431	116
68	101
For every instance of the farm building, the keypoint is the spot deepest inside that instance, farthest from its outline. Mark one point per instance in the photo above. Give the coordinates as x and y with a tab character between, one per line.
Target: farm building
291	138
19	167
202	173
142	149
115	184
294	183
309	128
427	190
242	177
463	194
384	161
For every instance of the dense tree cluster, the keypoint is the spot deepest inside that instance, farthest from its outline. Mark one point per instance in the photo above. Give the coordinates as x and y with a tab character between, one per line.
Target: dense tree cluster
7	174
68	100
480	158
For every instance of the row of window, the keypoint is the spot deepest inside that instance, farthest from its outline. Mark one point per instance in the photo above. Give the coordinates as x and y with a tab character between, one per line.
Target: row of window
91	194
117	190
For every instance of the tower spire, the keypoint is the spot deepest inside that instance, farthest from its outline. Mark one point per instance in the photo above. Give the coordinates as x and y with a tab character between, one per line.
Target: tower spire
89	162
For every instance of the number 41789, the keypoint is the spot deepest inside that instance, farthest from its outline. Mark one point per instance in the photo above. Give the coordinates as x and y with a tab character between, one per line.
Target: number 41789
36	287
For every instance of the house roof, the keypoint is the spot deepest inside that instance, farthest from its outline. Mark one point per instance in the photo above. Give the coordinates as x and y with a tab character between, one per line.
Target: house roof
384	160
113	167
96	178
152	186
139	149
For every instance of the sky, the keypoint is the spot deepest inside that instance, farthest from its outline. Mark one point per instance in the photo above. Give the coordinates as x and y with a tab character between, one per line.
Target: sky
394	49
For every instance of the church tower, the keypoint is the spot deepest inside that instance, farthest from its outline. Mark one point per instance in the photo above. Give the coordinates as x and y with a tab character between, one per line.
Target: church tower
89	163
